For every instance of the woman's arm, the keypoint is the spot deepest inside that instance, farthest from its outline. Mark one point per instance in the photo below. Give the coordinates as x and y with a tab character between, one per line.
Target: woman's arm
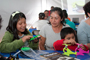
82	33
42	43
82	36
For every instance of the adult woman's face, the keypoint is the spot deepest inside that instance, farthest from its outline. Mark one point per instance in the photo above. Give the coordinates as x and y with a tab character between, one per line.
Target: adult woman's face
55	19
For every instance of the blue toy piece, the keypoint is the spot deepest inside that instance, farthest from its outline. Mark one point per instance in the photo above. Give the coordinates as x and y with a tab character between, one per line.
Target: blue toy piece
67	51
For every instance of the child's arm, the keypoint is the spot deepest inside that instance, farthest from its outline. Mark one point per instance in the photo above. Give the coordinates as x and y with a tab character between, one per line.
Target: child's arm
7	44
25	38
88	45
33	44
35	40
72	42
58	45
84	47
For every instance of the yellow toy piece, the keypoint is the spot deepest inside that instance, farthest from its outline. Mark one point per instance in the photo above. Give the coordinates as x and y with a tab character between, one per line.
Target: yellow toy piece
67	51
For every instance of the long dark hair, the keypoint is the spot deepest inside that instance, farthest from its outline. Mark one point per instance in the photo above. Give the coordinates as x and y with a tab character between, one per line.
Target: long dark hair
60	13
0	21
41	15
65	15
86	8
13	22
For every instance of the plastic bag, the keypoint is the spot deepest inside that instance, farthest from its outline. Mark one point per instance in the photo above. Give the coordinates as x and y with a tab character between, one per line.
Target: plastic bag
35	54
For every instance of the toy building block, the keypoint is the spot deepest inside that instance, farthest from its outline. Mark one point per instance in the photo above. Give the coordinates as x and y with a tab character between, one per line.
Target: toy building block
67	51
81	51
37	36
25	48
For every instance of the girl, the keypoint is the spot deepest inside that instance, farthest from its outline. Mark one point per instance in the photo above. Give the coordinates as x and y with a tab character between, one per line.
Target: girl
16	35
68	37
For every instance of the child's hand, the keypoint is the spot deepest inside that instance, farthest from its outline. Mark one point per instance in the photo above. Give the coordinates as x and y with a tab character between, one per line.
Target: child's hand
26	38
35	40
83	47
72	42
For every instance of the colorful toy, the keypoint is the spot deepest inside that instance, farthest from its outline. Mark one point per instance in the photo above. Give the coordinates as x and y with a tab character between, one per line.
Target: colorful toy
25	48
68	51
81	51
12	57
2	57
37	36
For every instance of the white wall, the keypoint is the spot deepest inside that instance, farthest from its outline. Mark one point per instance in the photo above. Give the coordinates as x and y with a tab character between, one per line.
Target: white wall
80	16
31	8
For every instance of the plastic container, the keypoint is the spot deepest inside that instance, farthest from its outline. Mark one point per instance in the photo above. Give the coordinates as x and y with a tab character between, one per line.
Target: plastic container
35	54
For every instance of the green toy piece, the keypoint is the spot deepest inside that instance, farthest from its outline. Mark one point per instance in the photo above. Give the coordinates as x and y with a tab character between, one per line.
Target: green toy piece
25	48
34	37
67	51
66	44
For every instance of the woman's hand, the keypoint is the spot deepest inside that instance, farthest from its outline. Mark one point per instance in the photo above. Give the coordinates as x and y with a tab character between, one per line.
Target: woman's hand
42	43
26	38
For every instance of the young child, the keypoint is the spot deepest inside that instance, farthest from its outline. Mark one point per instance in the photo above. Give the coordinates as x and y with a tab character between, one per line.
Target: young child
17	35
67	37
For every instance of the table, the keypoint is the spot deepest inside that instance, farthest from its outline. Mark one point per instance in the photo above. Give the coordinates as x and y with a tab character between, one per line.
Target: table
85	57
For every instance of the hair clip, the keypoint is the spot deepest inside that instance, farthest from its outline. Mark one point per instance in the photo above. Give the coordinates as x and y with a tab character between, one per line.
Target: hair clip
15	13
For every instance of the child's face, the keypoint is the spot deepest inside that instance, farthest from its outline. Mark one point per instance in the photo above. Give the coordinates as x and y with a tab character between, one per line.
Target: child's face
21	25
70	37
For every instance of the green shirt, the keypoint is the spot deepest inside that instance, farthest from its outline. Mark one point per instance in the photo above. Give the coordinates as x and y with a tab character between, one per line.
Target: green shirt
7	44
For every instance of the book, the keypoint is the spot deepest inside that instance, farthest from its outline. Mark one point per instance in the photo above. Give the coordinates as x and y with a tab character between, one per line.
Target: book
57	56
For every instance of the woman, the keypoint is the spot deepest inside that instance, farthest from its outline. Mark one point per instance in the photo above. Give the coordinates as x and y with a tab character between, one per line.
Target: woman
71	24
83	31
51	32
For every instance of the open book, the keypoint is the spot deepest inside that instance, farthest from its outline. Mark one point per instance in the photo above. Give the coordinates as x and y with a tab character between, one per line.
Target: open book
57	56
